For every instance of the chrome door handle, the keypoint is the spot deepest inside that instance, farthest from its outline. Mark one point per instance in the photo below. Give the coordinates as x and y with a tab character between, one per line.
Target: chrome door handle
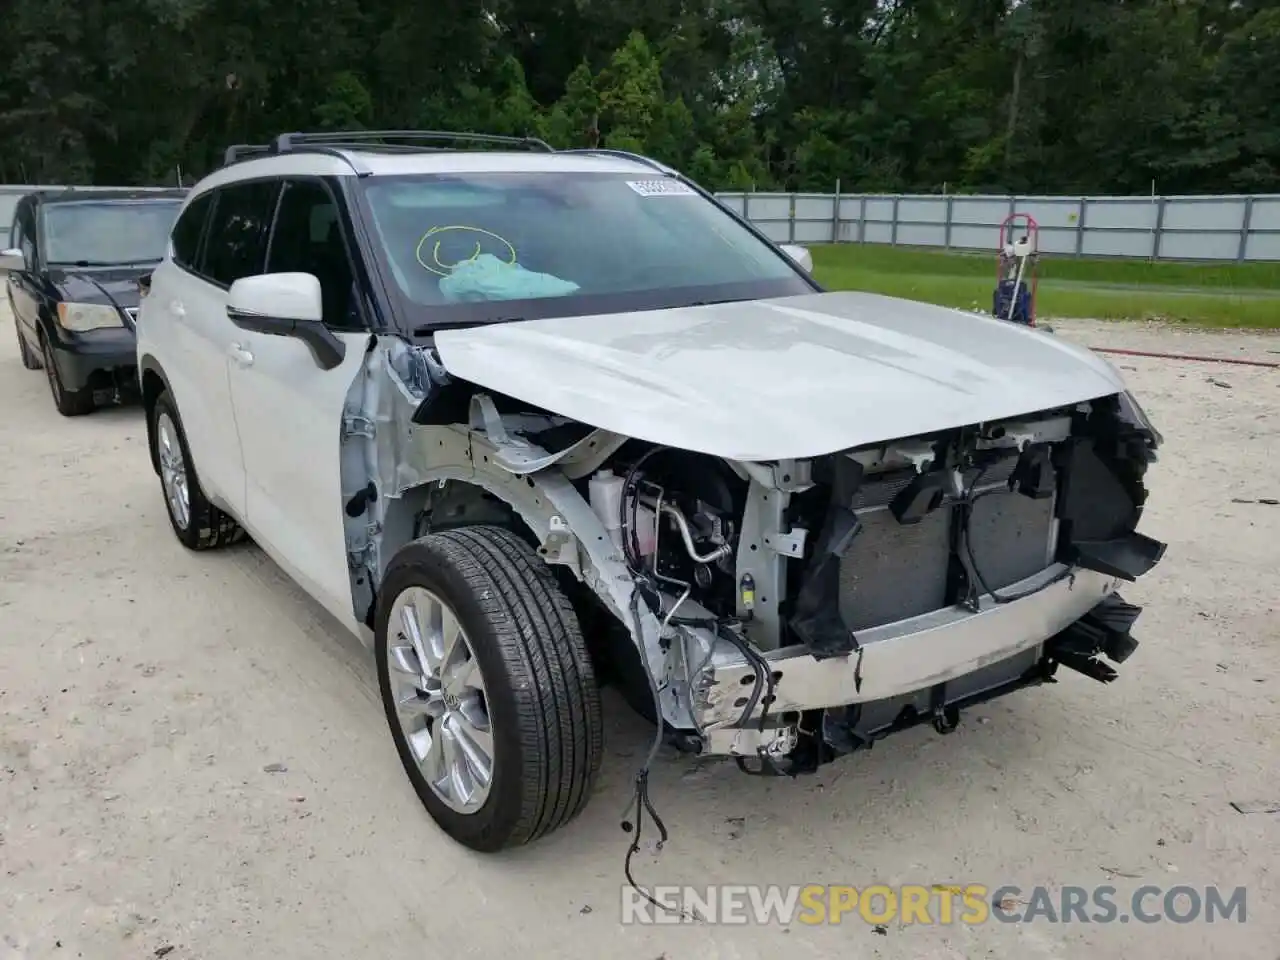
240	355
177	309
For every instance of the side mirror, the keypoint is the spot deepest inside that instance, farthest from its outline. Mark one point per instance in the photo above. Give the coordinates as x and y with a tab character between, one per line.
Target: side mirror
12	259
286	305
800	255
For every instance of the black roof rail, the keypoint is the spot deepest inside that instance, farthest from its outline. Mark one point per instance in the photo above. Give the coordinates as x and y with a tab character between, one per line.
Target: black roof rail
339	143
402	140
244	151
254	151
624	155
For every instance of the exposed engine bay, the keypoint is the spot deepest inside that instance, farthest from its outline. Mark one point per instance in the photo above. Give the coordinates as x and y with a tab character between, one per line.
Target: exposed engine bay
785	613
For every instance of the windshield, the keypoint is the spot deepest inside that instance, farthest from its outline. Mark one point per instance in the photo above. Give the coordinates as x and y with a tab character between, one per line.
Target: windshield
557	244
108	232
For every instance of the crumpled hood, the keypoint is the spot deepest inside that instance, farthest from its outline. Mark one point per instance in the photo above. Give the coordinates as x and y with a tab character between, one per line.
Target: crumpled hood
773	379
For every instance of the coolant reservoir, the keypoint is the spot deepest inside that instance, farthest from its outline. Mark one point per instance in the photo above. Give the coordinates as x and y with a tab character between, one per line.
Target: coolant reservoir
605	492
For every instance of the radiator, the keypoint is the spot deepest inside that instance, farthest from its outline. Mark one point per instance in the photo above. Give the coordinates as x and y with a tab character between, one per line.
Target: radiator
894	571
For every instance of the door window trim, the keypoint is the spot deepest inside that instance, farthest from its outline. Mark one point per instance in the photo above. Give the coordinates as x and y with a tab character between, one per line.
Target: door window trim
344	233
217	192
350	227
192	268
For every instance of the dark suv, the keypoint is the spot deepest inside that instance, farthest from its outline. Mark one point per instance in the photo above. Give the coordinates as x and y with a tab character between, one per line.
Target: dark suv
74	266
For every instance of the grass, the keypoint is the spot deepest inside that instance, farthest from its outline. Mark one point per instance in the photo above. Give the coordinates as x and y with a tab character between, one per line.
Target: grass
1215	295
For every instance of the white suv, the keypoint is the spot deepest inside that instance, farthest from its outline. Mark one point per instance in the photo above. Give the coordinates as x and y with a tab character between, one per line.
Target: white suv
530	420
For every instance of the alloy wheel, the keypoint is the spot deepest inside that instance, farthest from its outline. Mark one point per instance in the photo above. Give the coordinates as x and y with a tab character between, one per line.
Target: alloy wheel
440	699
173	470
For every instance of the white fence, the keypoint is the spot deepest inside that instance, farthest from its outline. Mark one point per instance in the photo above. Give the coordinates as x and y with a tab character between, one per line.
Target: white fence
1224	228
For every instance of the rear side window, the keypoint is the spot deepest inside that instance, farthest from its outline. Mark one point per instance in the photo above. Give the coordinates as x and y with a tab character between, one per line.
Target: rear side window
237	243
188	230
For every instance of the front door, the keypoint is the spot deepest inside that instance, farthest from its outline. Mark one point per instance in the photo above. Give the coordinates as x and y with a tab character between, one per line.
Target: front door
289	410
24	295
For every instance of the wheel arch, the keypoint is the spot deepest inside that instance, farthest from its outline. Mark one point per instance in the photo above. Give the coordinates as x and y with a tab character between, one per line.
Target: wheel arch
537	494
544	509
449	499
540	707
154	382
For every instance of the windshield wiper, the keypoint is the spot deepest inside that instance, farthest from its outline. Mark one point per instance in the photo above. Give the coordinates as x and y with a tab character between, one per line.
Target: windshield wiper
426	331
429	329
99	263
712	303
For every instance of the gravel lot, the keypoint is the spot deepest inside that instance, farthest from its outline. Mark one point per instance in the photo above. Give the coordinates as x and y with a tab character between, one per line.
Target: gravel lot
143	689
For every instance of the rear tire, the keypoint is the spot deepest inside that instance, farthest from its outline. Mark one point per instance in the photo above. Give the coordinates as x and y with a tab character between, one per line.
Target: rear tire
540	708
70	403
196	522
29	358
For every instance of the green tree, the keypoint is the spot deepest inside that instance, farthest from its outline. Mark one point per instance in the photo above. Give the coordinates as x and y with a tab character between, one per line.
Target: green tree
1030	96
631	99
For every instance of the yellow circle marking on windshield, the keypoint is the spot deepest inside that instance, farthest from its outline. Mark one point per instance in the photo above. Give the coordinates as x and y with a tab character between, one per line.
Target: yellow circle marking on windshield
443	269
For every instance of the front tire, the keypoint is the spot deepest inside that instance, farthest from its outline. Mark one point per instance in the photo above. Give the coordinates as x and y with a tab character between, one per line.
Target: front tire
487	686
70	403
196	522
30	359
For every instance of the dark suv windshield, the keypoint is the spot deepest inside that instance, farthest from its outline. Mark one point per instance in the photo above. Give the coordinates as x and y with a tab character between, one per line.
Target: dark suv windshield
489	246
107	232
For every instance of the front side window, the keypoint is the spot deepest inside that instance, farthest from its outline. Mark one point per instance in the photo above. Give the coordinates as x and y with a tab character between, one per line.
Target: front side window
307	238
490	246
237	243
8	206
20	234
107	233
27	239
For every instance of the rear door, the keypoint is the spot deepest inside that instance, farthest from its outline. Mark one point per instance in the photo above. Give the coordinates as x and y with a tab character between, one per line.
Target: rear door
289	410
193	301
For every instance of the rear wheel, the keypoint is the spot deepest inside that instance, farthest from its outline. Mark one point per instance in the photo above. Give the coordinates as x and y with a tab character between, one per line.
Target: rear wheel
70	403
30	359
488	688
196	522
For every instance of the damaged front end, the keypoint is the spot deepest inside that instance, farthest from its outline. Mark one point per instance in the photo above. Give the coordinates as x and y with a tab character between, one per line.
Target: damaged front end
947	570
788	612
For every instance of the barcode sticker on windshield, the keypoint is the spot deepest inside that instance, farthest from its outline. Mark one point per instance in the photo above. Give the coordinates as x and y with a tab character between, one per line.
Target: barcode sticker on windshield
661	188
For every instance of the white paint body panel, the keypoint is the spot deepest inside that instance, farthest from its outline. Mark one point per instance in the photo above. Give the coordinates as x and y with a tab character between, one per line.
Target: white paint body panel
289	414
264	435
184	322
773	379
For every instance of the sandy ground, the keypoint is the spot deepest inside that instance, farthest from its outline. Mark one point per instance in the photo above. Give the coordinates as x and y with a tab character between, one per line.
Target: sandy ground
144	688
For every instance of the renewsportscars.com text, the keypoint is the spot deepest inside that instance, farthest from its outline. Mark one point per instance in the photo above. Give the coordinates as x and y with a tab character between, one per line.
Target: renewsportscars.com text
937	904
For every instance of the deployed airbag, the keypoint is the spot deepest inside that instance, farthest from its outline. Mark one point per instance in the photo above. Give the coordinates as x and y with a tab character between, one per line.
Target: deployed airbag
488	278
